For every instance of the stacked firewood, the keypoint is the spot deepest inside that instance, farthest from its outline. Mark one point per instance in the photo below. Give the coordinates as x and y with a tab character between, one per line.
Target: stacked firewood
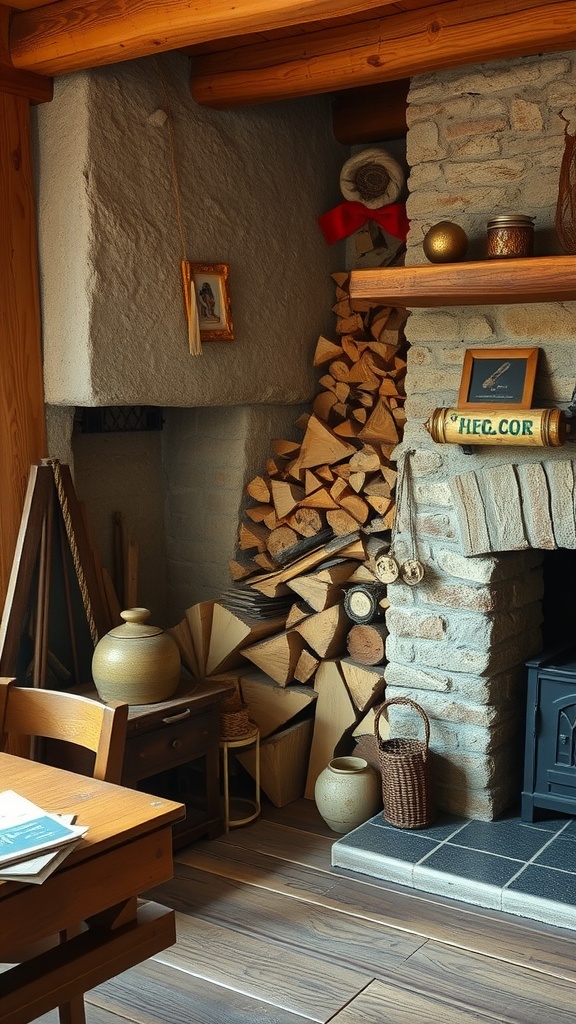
316	520
340	476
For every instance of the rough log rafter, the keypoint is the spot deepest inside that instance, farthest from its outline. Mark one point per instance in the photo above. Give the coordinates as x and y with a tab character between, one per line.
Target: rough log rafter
70	35
387	48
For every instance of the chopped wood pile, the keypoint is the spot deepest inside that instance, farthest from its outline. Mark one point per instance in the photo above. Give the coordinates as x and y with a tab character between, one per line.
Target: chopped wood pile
318	516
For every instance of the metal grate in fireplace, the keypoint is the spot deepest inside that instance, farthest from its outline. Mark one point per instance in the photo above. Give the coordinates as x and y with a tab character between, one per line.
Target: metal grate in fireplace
528	870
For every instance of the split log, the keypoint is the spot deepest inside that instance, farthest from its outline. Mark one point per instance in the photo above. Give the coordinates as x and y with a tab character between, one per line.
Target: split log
199	618
181	634
265	561
320	446
341	522
363	574
325	631
297	612
306	667
259	513
334	716
319	499
322	405
284	761
281	539
323	588
240	570
355	505
259	490
367	644
277	656
306	521
271	584
365	683
325	351
286	497
285	449
381	426
233	630
252	535
356	481
311	482
272	706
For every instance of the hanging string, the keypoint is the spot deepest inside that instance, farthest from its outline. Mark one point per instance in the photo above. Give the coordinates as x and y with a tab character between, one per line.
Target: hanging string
411	569
194	342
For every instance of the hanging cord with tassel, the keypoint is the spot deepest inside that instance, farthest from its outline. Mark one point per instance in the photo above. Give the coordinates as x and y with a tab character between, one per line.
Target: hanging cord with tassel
194	341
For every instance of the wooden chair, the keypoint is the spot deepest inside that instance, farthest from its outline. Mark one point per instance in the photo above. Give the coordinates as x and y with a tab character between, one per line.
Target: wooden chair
32	714
69	718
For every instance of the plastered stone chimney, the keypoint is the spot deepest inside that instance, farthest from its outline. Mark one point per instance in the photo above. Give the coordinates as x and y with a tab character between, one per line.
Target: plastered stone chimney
252	183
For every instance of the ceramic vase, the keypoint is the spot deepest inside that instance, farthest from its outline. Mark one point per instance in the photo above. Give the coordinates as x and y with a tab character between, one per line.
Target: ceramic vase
136	663
348	792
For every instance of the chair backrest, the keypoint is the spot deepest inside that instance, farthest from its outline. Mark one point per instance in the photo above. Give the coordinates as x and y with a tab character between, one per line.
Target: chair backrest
58	715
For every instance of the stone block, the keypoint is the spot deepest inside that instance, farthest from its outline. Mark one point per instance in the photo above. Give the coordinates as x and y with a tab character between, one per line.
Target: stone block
414	624
482	805
525	116
430	493
505	687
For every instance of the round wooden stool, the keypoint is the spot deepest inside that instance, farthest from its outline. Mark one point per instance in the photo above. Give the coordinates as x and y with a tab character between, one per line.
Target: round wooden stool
240	810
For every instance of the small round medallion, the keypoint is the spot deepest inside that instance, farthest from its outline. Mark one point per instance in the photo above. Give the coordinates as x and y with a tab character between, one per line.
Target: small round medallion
386	568
412	572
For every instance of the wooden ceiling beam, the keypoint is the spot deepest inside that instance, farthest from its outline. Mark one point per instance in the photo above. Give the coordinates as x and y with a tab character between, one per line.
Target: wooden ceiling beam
32	87
70	35
449	34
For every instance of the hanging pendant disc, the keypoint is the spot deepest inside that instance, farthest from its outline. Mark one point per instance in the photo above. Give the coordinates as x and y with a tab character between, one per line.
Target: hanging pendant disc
386	569
412	572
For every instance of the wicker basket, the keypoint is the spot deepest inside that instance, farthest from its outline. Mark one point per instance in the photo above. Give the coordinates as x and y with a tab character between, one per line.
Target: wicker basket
235	722
405	768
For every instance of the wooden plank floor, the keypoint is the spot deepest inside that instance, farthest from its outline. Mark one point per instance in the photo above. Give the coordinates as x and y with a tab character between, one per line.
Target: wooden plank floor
267	932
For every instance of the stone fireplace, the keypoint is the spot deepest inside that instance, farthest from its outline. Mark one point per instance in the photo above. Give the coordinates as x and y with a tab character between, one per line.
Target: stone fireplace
482	141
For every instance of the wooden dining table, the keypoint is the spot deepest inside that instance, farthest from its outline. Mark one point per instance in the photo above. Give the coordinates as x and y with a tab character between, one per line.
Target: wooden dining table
92	899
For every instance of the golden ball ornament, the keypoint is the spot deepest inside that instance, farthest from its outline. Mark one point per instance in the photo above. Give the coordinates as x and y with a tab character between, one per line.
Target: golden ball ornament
445	242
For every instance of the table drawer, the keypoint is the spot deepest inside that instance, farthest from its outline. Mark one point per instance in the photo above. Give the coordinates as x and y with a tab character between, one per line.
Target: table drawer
169	744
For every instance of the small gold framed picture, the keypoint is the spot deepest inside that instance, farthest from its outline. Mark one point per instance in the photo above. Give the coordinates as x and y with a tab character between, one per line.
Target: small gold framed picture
213	301
498	377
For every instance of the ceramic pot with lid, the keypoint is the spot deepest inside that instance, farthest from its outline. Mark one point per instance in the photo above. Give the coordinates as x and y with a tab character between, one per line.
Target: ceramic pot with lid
136	663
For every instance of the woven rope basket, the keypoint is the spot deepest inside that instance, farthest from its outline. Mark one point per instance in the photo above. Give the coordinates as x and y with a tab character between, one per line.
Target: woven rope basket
235	722
405	769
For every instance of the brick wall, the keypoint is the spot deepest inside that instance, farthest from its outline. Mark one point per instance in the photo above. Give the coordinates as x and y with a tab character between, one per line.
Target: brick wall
481	141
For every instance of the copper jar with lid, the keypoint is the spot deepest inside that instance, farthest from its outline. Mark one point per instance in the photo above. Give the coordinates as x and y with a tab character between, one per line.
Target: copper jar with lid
510	235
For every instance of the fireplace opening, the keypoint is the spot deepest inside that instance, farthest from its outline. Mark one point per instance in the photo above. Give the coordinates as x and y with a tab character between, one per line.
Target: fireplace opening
559	601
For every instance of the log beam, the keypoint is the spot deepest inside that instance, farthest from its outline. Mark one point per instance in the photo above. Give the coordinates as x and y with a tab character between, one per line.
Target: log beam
33	87
69	35
383	49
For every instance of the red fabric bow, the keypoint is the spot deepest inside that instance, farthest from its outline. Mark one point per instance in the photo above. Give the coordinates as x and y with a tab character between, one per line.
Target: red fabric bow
348	217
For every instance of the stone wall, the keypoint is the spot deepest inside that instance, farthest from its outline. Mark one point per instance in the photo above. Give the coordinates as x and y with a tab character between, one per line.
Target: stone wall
481	141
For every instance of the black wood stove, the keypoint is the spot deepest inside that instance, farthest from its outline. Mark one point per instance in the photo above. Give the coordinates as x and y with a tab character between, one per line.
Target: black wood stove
550	751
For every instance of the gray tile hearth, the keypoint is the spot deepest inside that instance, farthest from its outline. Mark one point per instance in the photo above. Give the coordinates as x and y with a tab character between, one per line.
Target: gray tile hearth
527	869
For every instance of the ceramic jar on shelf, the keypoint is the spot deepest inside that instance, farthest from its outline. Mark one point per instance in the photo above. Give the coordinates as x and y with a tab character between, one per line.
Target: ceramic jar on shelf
136	662
347	793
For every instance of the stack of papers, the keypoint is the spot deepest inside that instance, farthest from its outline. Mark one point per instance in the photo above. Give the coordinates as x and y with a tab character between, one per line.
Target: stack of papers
33	842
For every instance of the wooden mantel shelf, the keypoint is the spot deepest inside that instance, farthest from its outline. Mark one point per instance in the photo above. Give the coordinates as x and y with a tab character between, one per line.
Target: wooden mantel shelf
486	282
